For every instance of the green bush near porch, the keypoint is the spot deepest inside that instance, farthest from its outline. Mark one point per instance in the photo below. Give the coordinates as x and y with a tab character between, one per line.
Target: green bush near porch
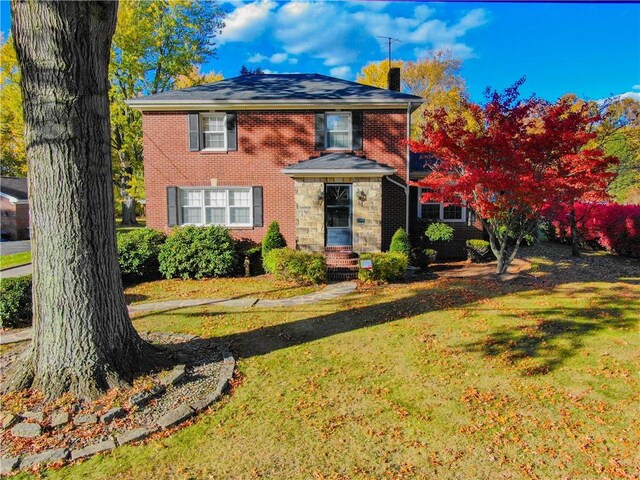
296	266
387	267
198	252
15	301
273	239
400	242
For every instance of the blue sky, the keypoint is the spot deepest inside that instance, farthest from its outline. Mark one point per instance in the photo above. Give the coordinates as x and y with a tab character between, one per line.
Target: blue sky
592	50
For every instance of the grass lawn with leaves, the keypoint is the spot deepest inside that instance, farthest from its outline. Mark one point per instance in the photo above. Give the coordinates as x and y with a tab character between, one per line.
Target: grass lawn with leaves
443	378
14	260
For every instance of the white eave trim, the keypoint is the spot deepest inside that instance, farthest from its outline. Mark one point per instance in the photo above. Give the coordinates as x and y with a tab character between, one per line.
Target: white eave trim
13	199
173	105
326	172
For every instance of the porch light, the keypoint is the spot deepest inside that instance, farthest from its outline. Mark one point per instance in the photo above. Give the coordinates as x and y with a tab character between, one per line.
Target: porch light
362	196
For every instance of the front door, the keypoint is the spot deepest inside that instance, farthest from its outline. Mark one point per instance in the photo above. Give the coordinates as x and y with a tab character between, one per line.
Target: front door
337	214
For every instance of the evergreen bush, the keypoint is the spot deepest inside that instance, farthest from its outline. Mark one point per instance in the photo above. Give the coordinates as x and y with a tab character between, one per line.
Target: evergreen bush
197	252
15	301
400	242
272	240
296	266
387	267
479	251
138	252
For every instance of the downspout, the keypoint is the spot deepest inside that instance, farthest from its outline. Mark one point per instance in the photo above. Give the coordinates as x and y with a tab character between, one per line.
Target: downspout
408	167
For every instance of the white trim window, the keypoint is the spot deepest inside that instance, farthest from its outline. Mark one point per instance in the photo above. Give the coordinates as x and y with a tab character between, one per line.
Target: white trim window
213	127
438	211
228	207
338	130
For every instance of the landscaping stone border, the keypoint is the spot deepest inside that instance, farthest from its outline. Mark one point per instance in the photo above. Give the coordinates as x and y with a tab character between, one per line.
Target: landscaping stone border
169	420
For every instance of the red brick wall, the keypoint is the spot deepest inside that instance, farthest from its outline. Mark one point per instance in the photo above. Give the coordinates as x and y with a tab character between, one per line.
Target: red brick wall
14	219
267	142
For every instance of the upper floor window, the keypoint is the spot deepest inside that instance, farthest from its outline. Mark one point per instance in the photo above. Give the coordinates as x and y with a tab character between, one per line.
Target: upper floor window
338	131
440	211
214	131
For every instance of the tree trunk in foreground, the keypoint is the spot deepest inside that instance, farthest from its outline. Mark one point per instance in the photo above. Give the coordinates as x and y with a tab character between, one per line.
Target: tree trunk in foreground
83	341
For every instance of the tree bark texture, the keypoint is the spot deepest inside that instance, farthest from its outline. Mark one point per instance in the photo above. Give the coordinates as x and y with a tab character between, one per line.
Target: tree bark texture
573	223
84	341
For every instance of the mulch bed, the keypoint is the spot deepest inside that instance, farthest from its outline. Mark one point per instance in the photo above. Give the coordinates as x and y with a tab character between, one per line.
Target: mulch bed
202	360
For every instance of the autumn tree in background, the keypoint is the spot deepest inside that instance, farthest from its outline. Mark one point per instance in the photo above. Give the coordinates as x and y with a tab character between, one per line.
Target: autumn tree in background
520	156
13	156
436	78
157	46
83	340
194	77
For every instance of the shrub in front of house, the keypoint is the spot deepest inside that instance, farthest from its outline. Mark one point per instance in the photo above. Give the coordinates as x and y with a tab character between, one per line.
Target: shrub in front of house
439	232
296	266
197	252
387	267
272	240
479	251
400	242
138	252
15	301
422	257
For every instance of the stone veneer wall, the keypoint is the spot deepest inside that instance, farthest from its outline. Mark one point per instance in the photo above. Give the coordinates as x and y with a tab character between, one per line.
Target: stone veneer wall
310	234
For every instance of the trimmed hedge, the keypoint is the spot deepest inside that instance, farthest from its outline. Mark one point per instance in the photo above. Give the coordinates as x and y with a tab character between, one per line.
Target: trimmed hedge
479	251
138	252
273	239
296	266
387	267
400	242
15	301
197	252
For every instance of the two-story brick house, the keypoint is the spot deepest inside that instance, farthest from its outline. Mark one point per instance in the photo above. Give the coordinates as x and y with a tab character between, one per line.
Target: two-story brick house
322	156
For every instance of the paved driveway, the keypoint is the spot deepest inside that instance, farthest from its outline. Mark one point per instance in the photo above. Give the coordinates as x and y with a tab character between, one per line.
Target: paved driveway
16	271
18	246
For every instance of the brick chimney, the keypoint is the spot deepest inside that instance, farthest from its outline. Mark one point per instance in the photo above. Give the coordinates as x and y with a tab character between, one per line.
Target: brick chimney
393	79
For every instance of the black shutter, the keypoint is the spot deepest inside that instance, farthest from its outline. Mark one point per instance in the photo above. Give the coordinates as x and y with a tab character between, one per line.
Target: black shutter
172	206
194	132
257	207
320	128
356	129
232	131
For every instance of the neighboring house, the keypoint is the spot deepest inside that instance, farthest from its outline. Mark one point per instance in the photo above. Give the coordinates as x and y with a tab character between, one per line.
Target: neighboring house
14	205
322	156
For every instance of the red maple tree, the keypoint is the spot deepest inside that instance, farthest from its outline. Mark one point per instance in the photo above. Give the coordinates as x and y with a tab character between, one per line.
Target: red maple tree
509	158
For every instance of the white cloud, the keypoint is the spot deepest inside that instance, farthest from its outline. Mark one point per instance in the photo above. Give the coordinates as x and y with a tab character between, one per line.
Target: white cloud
322	30
257	58
341	34
636	87
247	22
278	57
341	72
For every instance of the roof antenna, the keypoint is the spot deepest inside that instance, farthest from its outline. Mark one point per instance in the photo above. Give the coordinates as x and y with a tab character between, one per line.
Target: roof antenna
389	40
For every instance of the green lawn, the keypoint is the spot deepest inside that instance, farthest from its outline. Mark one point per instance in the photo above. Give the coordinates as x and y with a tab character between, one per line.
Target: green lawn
14	260
445	378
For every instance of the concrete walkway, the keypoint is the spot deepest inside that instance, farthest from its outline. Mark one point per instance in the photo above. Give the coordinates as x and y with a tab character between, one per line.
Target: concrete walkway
15	246
330	292
20	271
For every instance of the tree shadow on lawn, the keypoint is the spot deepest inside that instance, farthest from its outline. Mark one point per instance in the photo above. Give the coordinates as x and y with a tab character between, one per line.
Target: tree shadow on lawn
557	335
550	336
